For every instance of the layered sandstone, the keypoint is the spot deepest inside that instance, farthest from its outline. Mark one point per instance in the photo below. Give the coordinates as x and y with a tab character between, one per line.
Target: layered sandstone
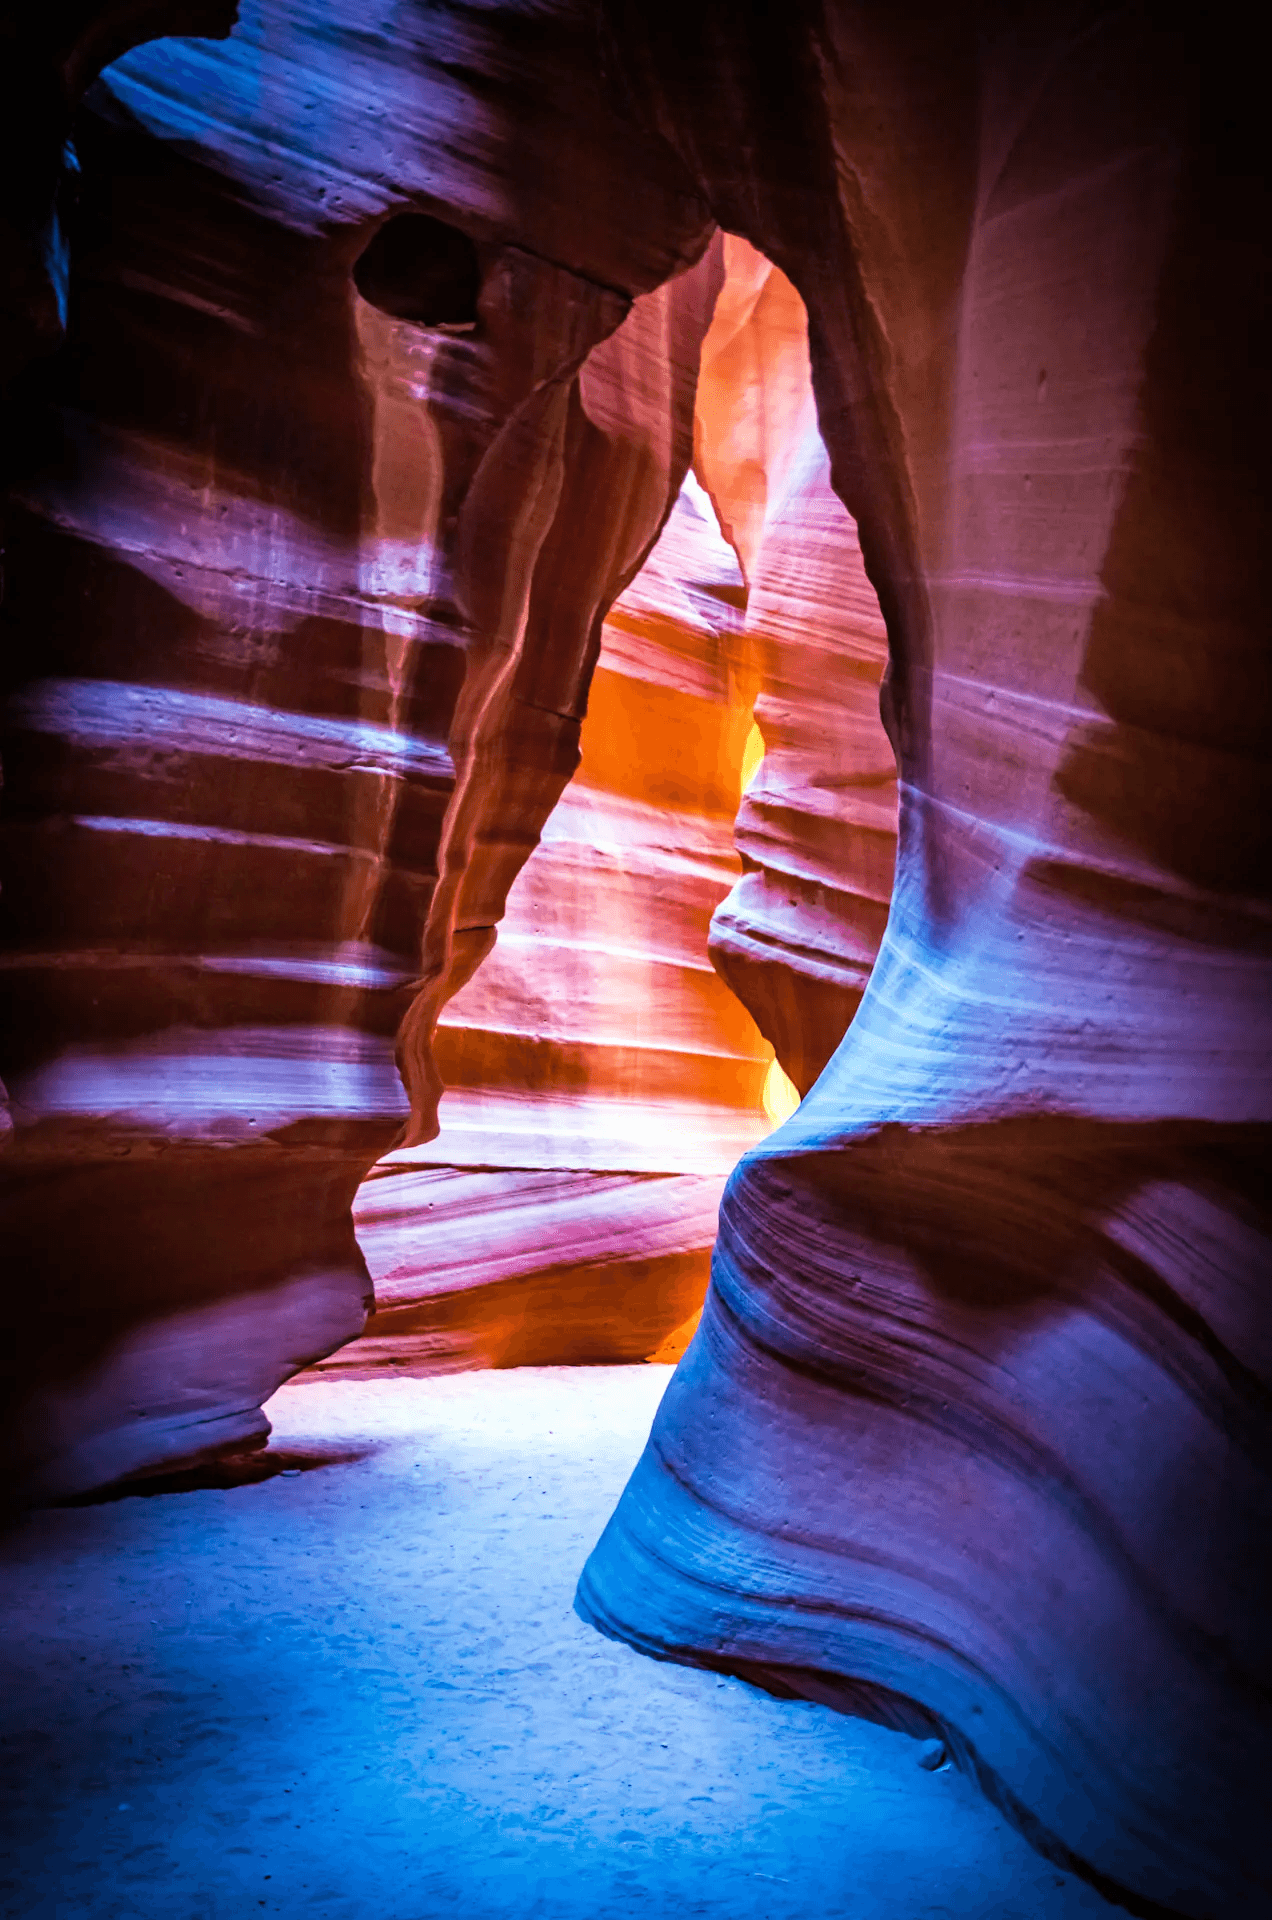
594	1058
601	1080
313	527
974	1433
798	935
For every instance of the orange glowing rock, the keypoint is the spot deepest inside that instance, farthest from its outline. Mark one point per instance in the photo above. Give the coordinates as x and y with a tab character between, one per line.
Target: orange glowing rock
798	934
595	1058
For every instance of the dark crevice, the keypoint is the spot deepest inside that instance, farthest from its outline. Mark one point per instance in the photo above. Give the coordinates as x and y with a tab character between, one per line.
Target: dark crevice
423	270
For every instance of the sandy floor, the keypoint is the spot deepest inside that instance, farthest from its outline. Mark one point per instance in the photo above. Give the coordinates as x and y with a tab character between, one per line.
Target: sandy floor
357	1688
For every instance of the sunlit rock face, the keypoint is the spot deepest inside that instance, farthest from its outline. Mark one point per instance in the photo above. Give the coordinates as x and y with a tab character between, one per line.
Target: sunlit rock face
601	1079
798	934
316	521
313	526
976	1421
594	1059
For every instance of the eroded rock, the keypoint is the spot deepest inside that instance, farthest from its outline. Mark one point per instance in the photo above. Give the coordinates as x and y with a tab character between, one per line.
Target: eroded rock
974	1432
275	563
601	1079
798	935
977	1414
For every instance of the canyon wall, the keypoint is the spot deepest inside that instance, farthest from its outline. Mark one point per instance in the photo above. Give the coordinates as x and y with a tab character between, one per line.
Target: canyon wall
601	1080
311	530
314	522
594	1059
974	1432
49	55
798	934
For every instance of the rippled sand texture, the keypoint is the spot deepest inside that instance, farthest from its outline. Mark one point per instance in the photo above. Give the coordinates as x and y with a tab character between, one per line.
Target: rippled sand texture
357	1689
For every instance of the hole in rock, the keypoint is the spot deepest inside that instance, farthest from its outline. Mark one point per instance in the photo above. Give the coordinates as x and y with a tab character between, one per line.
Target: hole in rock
421	269
684	947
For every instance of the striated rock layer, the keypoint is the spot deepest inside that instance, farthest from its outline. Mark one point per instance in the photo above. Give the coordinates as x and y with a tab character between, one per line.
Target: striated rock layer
601	1079
594	1058
974	1433
313	525
798	935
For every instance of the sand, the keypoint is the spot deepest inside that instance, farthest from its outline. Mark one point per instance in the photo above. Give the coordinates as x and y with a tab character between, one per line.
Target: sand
356	1688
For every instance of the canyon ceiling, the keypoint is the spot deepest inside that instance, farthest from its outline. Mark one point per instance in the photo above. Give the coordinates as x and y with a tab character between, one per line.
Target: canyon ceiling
372	371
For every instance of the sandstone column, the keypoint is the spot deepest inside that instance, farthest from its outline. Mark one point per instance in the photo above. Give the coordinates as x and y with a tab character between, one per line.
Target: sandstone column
974	1433
284	510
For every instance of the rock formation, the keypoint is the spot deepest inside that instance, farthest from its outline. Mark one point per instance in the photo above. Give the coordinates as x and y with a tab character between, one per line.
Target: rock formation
593	1058
313	528
49	55
798	935
314	534
601	1079
974	1432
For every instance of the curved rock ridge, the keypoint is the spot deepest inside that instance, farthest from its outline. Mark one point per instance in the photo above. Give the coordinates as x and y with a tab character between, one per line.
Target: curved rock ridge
593	1044
313	522
974	1432
798	934
624	452
601	1079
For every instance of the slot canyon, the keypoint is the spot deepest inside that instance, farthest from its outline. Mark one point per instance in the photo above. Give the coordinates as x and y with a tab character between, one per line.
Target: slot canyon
634	1140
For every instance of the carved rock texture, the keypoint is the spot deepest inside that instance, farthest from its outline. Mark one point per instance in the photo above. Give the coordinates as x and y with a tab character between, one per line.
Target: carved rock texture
594	1058
977	1414
315	525
798	935
601	1079
312	526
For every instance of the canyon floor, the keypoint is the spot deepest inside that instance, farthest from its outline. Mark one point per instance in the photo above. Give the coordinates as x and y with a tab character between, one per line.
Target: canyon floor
347	1682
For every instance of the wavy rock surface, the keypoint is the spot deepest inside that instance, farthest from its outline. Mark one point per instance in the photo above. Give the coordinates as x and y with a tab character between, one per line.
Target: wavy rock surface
312	515
798	935
974	1433
601	1079
594	1047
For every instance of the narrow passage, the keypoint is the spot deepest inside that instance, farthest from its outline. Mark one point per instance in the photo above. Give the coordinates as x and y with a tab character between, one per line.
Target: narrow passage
356	1689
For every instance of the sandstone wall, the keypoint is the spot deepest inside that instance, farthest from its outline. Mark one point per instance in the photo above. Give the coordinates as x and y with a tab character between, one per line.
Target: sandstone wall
799	932
974	1433
594	1058
601	1080
310	523
49	55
